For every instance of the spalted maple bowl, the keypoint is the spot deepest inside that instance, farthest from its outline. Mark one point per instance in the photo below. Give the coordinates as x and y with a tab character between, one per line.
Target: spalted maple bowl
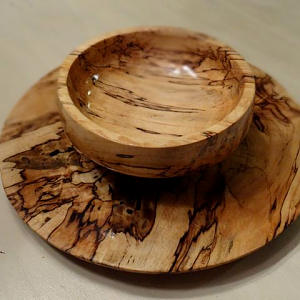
155	102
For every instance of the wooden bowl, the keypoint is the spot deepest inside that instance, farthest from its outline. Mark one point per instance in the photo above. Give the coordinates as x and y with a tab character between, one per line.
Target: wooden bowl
155	102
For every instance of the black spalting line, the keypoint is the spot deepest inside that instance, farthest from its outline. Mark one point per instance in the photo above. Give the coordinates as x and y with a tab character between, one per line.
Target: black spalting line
147	131
257	121
154	132
289	221
274	206
125	155
107	164
189	83
209	207
90	112
268	100
45	161
75	215
81	103
209	134
230	246
109	224
19	128
138	101
212	138
55	152
83	61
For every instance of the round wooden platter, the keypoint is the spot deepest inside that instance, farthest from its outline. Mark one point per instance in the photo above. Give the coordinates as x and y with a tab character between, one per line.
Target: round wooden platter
153	225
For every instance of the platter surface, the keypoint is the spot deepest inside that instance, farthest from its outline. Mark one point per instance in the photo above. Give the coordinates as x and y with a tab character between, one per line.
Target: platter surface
199	221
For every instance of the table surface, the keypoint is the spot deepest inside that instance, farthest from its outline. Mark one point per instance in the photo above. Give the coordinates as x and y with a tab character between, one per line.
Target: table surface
36	36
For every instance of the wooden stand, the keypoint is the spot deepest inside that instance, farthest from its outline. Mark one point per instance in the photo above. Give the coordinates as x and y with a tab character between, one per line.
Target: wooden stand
153	225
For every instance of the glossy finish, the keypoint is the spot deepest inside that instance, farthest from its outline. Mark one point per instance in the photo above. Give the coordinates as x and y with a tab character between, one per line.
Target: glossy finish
153	225
156	102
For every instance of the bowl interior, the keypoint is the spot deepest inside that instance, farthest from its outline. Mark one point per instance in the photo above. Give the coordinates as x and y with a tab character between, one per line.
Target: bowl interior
156	86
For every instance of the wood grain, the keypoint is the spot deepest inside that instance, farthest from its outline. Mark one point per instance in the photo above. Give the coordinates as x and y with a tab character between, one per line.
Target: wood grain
156	101
155	225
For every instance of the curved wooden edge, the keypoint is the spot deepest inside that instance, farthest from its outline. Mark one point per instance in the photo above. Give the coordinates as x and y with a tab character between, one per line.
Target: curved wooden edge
72	112
176	157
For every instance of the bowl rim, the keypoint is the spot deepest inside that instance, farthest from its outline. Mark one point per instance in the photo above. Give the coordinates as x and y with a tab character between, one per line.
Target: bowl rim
245	103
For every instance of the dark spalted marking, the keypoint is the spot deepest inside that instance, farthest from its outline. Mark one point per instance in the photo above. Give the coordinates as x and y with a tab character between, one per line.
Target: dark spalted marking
296	168
125	155
140	102
135	45
139	209
1	252
267	99
211	183
197	56
154	132
81	103
90	112
180	82
147	131
209	134
108	164
42	156
135	100
230	246
187	169
212	138
246	78
291	181
124	216
274	206
258	123
17	129
136	211
83	62
55	152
